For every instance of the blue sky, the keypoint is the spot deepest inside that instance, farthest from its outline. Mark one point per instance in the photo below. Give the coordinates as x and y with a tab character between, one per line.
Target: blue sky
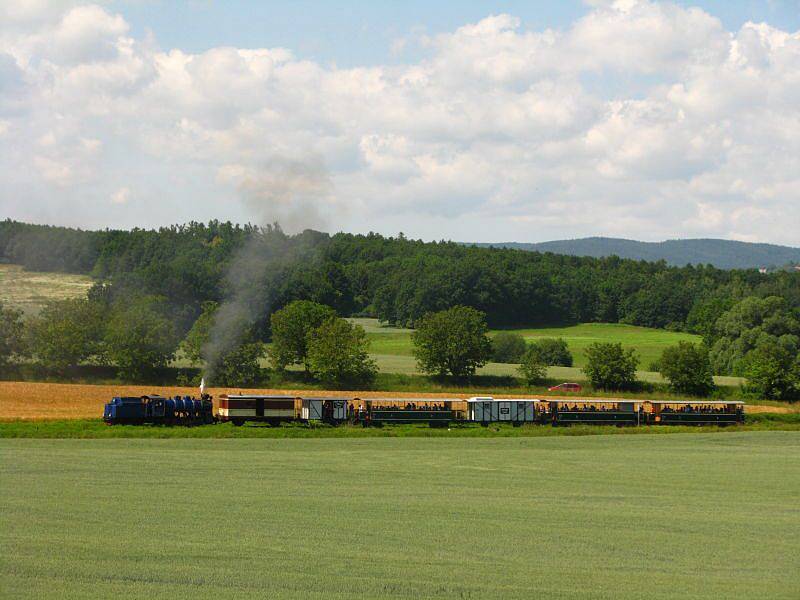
352	33
470	120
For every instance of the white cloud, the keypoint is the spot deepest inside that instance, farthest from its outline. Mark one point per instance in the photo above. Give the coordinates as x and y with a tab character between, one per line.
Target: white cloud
642	119
121	196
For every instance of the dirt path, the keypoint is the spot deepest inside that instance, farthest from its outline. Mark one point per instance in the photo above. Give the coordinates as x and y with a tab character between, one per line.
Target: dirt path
46	401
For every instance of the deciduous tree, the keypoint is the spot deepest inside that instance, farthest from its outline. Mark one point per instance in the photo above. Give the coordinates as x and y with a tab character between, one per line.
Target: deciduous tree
453	341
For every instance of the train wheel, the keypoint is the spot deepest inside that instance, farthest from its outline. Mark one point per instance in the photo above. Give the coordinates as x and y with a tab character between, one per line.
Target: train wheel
237	422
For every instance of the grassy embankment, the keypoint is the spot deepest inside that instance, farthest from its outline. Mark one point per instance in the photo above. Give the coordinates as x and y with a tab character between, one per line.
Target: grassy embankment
640	516
96	429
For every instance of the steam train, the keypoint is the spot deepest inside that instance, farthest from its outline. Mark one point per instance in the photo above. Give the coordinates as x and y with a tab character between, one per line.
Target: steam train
435	412
157	410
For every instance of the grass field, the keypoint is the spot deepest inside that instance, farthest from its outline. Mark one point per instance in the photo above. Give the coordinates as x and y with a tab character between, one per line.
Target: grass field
644	516
29	291
649	343
392	349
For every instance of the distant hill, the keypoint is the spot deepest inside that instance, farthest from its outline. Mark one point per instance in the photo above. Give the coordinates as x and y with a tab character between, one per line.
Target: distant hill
724	254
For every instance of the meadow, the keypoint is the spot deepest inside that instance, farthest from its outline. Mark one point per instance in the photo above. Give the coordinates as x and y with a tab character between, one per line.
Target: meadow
634	516
391	348
29	291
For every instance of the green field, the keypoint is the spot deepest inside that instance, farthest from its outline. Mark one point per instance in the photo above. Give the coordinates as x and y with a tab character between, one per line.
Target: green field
392	349
29	291
644	516
649	343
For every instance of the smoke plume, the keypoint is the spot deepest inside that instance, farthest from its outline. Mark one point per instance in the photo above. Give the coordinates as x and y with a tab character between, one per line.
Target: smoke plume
284	195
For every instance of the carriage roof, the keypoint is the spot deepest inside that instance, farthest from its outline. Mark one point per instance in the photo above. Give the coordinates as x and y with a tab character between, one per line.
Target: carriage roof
716	402
491	399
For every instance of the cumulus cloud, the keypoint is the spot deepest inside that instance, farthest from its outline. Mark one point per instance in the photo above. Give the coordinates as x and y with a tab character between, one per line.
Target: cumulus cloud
641	119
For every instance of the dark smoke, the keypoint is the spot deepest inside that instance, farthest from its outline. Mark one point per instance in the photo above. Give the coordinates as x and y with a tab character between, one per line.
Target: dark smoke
294	194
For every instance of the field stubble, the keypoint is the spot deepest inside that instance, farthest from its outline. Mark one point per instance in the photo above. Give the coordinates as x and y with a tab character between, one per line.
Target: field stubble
55	401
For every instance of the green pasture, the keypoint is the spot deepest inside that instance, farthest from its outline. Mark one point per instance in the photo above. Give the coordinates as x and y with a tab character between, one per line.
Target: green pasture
639	516
649	343
29	291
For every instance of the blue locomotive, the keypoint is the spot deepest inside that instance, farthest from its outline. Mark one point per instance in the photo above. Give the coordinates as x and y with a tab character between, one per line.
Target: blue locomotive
158	410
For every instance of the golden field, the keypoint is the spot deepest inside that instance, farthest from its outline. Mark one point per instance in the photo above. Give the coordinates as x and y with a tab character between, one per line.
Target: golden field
51	401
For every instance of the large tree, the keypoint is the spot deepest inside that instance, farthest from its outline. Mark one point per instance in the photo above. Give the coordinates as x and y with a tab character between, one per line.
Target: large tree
609	366
687	369
453	341
67	332
773	373
338	354
290	331
140	337
750	324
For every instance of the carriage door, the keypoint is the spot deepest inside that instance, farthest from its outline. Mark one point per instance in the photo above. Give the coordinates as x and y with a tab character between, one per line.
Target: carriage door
315	410
259	407
339	410
505	411
486	412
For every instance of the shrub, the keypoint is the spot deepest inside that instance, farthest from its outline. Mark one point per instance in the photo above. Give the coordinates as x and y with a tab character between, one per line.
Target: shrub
553	352
611	367
687	368
338	354
532	369
452	341
508	347
290	329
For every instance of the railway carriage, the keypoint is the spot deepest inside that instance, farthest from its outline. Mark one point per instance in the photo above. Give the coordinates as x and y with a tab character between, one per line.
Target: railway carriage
596	412
694	412
437	412
327	410
486	409
272	409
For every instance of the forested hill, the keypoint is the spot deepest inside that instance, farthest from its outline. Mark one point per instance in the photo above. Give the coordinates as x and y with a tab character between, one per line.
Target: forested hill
723	254
395	279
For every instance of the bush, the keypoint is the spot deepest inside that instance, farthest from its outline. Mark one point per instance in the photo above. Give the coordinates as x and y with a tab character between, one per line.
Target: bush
552	352
687	368
533	370
290	329
611	367
66	333
338	354
508	347
772	373
452	341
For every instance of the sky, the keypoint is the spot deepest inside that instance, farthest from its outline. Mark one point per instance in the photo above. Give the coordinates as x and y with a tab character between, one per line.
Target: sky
469	120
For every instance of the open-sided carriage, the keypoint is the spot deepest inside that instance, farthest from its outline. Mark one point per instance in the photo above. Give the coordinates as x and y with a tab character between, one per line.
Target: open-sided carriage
485	410
596	412
694	412
436	412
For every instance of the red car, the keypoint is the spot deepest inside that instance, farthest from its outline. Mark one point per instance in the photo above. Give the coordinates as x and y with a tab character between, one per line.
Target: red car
565	387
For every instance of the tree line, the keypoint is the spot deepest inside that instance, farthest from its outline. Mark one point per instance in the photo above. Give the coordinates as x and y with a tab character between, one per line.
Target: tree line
160	283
